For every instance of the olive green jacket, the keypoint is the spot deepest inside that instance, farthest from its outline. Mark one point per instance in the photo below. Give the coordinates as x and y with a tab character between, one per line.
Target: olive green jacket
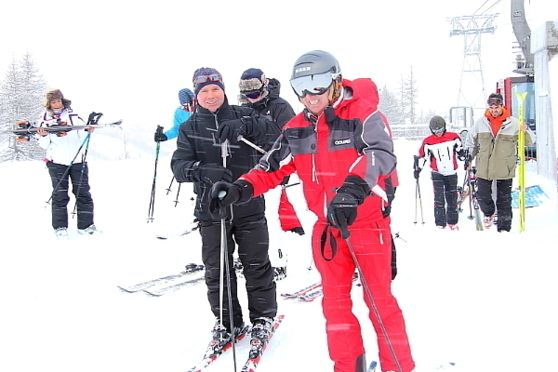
496	156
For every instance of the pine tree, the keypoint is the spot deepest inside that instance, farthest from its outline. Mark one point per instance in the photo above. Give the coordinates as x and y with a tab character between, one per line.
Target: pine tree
20	99
390	106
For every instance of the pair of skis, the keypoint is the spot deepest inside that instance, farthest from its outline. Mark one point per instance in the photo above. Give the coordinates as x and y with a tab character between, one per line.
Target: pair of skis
257	349
311	292
167	284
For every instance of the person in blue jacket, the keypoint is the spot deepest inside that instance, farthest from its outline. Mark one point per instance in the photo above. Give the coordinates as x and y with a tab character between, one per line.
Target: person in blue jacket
182	113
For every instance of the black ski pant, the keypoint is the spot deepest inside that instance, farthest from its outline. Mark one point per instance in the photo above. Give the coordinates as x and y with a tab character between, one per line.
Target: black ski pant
252	239
60	175
445	199
503	203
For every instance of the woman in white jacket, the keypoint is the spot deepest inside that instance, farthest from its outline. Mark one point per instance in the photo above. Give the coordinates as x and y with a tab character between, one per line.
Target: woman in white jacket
65	161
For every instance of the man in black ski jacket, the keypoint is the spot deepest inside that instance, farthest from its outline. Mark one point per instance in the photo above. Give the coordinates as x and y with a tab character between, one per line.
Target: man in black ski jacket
215	127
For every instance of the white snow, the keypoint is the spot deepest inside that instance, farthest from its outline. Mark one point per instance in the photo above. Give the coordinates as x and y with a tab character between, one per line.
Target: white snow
485	301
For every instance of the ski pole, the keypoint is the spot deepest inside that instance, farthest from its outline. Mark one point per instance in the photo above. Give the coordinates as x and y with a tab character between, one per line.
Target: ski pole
373	303
251	144
418	199
225	261
86	140
83	160
169	188
93	119
151	210
177	194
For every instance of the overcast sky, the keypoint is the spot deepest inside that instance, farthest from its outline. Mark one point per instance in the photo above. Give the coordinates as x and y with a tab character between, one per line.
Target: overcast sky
129	59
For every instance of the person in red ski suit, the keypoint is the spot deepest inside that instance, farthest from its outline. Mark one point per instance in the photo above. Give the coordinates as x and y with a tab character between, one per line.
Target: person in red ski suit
342	152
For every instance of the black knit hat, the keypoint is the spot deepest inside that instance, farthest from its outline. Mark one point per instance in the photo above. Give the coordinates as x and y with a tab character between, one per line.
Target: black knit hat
214	77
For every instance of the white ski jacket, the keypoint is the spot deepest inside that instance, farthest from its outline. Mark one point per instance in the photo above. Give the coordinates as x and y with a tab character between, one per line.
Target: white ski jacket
63	150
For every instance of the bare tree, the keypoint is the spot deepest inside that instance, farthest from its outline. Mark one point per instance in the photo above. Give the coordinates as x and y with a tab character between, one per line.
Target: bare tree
20	100
409	97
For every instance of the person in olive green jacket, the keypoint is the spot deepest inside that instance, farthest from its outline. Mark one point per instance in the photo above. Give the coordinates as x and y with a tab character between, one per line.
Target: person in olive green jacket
493	141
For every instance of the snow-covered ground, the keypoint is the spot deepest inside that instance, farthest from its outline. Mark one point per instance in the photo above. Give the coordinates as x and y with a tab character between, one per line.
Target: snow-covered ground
482	300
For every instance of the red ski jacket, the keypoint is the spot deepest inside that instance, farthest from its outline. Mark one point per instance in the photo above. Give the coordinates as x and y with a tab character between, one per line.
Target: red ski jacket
326	149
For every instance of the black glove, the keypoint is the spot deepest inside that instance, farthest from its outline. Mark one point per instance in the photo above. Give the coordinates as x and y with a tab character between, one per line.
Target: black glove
298	230
232	129
224	194
159	135
342	210
211	173
462	155
416	167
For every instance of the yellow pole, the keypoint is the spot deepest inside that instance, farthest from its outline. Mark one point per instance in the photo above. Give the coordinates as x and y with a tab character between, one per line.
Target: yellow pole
521	151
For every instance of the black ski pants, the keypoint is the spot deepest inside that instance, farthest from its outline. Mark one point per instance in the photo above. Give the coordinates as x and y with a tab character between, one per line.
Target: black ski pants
445	199
60	175
252	239
503	203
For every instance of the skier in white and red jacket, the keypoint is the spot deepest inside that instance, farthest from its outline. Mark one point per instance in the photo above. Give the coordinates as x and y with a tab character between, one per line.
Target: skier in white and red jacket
443	149
341	150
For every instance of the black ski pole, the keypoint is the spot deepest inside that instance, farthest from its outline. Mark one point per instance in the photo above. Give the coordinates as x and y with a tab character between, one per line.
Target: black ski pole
170	184
151	210
177	194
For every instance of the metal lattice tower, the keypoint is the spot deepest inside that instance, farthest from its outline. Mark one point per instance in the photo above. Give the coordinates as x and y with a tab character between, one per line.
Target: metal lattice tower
471	86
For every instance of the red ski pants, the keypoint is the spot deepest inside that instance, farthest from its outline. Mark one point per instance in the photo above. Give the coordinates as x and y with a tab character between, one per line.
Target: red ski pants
333	259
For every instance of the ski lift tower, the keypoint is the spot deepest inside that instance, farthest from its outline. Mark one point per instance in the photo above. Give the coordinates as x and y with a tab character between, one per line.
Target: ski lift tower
471	86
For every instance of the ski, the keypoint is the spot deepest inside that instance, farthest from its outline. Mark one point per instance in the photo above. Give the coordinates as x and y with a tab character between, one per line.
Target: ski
310	293
302	292
173	287
190	268
27	128
521	154
257	347
185	232
211	354
311	296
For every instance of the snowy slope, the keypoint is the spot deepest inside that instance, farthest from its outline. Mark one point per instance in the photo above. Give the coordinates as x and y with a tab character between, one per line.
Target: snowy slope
483	300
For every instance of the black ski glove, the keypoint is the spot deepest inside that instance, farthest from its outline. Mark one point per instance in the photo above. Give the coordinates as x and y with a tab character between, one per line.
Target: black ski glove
224	194
159	135
342	210
462	155
298	230
211	173
232	129
416	168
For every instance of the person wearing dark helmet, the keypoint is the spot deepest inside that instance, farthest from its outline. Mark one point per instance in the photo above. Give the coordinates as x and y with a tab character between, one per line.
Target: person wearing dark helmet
181	114
209	150
340	148
262	94
443	149
493	141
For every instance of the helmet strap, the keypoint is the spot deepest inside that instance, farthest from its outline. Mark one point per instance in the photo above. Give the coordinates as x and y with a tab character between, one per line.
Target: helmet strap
335	90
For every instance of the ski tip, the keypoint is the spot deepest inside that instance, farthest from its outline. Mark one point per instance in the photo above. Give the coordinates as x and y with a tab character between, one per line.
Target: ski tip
161	237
